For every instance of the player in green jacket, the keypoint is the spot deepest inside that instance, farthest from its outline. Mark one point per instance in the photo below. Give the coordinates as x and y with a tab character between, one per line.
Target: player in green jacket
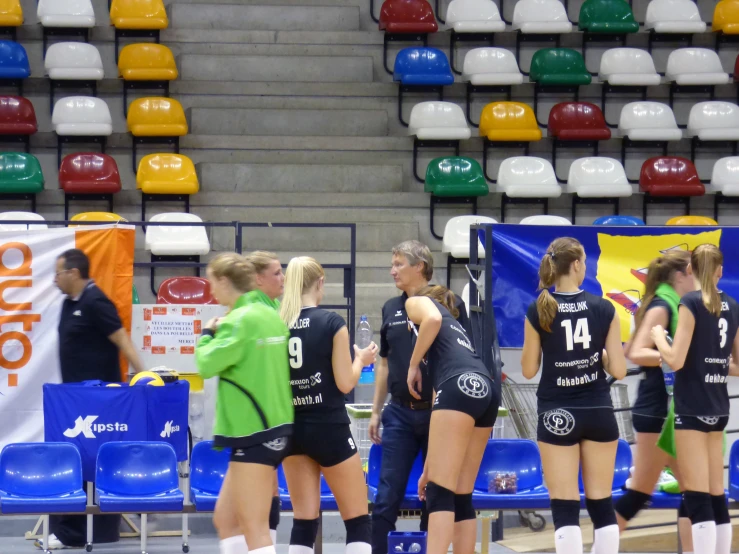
247	350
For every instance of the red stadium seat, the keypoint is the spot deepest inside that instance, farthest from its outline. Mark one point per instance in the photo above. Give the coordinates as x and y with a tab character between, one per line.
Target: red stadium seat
577	121
17	119
407	17
89	176
185	290
669	180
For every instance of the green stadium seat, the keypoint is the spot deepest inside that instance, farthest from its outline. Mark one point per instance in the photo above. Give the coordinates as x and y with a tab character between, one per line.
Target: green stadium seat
21	177
606	21
557	70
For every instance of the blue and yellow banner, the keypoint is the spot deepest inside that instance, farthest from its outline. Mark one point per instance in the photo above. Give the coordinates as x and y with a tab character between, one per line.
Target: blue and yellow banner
616	261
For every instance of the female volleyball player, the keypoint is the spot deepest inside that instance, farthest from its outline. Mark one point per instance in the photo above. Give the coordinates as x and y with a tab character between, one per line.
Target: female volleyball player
669	277
705	341
569	329
247	350
464	410
322	372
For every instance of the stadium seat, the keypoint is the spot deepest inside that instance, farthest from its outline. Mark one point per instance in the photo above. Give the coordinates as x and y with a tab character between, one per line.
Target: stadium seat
11	16
328	502
626	70
137	19
604	21
472	20
713	121
21	216
454	180
41	478
17	120
642	124
725	21
14	66
507	122
621	470
597	181
526	180
671	180
81	119
96	217
734	472
576	124
166	177
65	18
436	124
489	70
674	16
690	67
541	17
177	240
138	477
725	182
146	66
185	290
620	220
21	177
89	176
560	69
156	120
456	240
207	470
692	220
545	220
73	61
405	21
421	70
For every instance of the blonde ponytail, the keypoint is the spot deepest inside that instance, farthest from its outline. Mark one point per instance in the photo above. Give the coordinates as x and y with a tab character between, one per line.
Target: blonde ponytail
556	262
301	274
706	259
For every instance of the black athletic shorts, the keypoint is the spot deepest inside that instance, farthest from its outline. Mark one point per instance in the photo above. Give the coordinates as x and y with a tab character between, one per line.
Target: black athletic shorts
268	453
650	409
643	423
703	424
472	394
567	427
328	444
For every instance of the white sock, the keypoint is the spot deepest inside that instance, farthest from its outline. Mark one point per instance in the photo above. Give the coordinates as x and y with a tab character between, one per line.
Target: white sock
273	536
723	538
265	550
568	540
605	540
366	548
234	545
299	549
704	537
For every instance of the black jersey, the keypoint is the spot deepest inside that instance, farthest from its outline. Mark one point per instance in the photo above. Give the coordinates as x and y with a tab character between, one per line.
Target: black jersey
572	374
652	398
451	353
700	386
315	395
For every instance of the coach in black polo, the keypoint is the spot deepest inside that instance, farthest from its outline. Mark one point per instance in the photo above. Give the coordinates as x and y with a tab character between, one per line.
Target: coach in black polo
90	336
405	420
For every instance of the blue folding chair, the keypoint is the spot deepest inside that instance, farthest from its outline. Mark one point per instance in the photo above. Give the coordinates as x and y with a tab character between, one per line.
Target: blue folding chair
734	472
621	472
621	220
410	500
14	66
328	502
421	70
138	477
207	470
41	478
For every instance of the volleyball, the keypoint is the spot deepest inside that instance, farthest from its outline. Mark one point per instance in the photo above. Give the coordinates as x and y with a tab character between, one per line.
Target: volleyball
147	378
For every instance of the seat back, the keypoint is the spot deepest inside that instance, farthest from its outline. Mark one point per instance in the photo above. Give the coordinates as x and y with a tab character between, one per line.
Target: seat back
519	456
407	15
17	116
559	66
185	290
692	221
725	173
472	11
525	171
455	176
457	233
20	172
65	13
668	171
89	168
81	110
156	116
436	115
607	16
621	468
138	14
13	60
622	220
577	120
514	119
545	220
374	466
21	216
626	60
74	55
713	115
538	11
11	13
208	467
691	61
726	17
131	468
662	11
606	172
40	469
167	168
646	115
734	471
490	61
147	62
107	217
176	239
423	65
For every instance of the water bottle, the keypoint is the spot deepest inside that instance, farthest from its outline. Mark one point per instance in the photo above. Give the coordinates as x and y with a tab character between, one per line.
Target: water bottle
363	338
667	372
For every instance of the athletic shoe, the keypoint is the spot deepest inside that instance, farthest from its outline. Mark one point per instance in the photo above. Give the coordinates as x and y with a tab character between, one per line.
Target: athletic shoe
54	544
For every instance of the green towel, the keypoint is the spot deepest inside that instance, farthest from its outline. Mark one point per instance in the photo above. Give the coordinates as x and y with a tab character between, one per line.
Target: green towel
667	293
666	439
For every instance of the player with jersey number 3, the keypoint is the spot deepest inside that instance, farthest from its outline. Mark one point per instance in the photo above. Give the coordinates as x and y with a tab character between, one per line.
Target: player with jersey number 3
321	373
705	342
566	333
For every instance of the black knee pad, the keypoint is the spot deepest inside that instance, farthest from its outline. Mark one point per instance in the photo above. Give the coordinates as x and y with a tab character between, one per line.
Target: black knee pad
463	509
720	509
631	503
304	532
358	529
439	499
274	513
601	512
682	511
565	513
699	506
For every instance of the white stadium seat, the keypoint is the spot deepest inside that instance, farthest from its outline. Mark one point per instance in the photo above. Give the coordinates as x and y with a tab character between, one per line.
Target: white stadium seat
438	121
725	176
73	61
528	177
695	66
648	121
491	66
545	220
541	17
474	16
82	116
674	16
714	121
21	216
165	240
66	13
597	177
457	235
628	67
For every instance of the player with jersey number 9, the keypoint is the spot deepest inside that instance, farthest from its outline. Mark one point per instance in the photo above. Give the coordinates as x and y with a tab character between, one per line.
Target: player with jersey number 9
322	372
566	333
703	346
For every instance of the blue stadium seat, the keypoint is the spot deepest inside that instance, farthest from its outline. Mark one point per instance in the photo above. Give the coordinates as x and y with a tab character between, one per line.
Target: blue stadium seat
14	64
624	462
665	501
421	70
622	220
734	471
207	470
411	501
328	502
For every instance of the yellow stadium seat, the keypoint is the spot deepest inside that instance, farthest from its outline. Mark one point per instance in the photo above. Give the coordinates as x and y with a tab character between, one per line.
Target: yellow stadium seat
509	122
97	216
694	220
147	62
726	17
138	14
156	117
11	13
167	174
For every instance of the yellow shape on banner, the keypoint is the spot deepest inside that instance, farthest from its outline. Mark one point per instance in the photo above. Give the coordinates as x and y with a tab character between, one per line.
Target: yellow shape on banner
623	263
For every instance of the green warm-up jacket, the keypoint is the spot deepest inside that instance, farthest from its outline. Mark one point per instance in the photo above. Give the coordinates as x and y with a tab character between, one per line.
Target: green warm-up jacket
249	355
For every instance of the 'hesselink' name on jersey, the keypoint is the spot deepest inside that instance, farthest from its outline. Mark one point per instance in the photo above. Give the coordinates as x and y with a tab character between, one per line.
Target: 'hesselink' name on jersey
573	307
